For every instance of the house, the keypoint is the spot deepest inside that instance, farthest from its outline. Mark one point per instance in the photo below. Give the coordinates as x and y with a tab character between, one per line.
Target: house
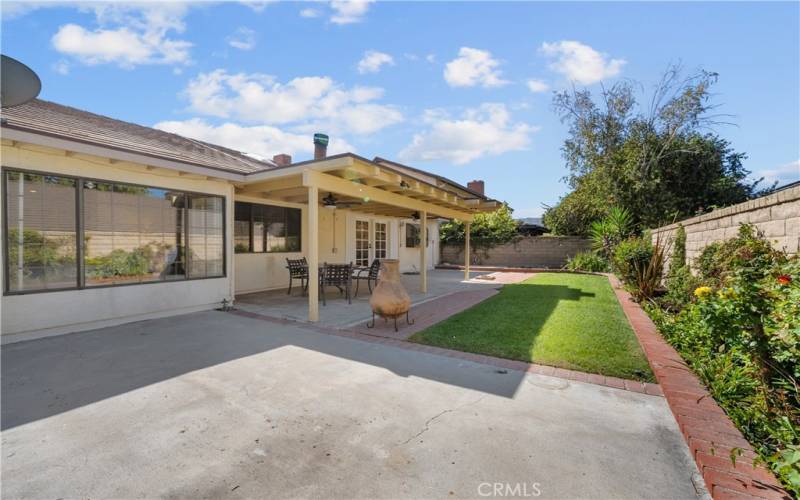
106	222
531	226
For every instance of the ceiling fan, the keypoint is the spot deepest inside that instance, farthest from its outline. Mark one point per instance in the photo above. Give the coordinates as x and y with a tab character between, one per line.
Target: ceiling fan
331	202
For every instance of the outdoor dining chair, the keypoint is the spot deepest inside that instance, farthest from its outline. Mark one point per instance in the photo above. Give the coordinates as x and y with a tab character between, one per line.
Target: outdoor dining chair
298	270
368	274
338	275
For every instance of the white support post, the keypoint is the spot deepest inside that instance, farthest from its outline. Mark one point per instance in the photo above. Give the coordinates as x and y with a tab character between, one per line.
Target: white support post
313	253
467	256
423	253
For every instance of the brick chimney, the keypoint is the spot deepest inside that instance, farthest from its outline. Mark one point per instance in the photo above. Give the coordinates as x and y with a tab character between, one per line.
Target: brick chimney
282	160
476	186
320	146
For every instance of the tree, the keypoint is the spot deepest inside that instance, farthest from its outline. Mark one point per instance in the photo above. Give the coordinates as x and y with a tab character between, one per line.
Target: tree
487	229
660	163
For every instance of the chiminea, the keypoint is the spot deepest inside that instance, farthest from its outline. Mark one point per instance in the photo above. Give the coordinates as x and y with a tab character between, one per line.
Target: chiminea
390	300
320	146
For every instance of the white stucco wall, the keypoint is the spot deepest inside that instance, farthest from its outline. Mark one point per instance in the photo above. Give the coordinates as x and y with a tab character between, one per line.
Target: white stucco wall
48	313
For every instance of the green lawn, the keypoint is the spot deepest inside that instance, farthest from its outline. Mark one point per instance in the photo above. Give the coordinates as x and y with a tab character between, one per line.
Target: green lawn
571	321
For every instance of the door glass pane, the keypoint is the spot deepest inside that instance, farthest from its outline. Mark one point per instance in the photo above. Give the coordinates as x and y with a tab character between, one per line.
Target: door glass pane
380	240
362	243
42	231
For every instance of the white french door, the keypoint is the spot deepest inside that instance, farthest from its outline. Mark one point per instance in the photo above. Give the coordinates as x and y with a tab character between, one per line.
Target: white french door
371	241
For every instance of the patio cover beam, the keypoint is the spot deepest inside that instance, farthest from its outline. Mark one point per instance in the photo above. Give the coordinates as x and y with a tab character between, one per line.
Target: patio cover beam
341	186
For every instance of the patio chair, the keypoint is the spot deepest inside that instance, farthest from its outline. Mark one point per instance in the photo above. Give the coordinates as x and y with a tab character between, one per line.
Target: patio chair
370	274
298	270
338	275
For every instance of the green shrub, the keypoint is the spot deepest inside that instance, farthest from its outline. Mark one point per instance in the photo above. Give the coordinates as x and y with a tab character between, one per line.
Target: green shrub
589	262
741	335
718	260
630	254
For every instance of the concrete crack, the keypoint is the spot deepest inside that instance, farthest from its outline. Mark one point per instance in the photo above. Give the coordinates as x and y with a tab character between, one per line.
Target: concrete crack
428	422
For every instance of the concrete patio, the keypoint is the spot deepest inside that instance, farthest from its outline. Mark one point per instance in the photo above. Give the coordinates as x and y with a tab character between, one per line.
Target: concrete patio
213	405
339	314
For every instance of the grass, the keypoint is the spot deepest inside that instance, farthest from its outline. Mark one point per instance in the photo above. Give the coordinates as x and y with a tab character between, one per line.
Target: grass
571	321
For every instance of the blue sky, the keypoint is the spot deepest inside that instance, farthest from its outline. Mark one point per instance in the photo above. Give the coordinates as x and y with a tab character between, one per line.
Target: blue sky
460	89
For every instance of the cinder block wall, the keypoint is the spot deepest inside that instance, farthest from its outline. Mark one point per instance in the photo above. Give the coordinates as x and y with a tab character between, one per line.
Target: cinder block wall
528	251
777	215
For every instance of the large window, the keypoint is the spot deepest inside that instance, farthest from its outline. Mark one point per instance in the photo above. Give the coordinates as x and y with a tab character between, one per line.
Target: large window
266	228
66	233
41	232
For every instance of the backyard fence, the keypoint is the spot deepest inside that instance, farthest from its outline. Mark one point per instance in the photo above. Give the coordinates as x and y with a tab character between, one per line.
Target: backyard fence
777	215
526	251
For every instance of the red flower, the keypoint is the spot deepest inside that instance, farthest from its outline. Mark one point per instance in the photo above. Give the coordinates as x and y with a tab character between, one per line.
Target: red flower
784	279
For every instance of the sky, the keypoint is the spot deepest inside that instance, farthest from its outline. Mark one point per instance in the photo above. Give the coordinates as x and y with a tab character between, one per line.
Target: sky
461	89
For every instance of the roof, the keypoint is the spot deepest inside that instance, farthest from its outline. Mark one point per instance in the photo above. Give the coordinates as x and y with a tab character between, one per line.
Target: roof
531	221
61	121
64	122
384	161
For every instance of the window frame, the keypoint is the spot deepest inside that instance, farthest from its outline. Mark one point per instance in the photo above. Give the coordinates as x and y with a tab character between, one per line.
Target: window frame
265	234
80	282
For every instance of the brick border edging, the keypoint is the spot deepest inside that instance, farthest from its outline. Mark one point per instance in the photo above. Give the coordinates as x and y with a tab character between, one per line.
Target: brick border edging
709	433
507	364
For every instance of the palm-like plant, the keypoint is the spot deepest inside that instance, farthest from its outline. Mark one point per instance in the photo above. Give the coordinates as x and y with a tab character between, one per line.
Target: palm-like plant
609	231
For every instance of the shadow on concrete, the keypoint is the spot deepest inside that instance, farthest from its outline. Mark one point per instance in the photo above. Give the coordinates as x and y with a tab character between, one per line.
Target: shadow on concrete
45	377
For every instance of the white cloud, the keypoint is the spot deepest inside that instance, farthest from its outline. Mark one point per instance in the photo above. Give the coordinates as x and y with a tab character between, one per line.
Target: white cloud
349	11
128	35
309	13
243	39
262	140
373	60
537	85
431	58
482	131
783	174
579	62
304	101
61	67
473	67
258	5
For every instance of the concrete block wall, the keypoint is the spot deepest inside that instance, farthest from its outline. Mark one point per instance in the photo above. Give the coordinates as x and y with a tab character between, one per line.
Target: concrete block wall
777	215
528	251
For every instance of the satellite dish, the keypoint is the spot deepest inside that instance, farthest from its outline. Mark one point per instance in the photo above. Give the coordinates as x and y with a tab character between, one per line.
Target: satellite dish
18	83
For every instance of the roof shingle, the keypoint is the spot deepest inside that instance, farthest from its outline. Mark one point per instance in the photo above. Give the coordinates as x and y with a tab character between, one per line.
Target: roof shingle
53	119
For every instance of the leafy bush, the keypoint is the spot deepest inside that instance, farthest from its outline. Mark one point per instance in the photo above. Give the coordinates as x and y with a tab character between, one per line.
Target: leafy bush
629	255
589	262
487	229
741	334
137	262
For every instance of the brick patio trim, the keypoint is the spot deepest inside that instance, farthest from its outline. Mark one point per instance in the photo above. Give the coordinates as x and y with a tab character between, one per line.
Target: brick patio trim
502	363
709	433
